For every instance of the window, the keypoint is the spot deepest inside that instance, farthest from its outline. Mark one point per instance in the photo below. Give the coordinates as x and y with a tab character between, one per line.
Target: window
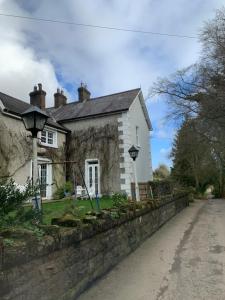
137	136
49	138
43	137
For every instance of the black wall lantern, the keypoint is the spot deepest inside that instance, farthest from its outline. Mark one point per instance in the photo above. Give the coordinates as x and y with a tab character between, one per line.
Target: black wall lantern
133	151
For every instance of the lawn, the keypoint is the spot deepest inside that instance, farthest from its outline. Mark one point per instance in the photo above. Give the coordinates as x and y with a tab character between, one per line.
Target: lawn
55	209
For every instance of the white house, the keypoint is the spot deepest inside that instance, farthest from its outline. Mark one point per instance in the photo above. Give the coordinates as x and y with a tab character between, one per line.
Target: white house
92	133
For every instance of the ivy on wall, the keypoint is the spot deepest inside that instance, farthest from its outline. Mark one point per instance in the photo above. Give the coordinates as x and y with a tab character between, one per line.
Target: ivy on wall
15	150
95	143
57	156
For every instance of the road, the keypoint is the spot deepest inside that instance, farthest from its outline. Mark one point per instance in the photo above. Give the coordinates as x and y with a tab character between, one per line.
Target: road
184	260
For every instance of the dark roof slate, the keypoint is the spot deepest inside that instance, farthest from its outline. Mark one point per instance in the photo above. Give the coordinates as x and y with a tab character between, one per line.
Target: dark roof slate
96	106
104	105
13	105
17	107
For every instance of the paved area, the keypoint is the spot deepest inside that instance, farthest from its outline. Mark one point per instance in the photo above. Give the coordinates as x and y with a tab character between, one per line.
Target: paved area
184	260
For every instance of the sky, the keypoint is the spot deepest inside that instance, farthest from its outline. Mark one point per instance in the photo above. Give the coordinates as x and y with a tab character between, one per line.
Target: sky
59	55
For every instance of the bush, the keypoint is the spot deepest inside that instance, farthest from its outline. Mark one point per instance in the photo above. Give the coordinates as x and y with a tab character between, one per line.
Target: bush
65	190
119	200
12	197
161	187
27	216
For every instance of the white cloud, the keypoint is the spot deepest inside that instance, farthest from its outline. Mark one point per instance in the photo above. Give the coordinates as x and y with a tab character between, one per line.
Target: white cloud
162	131
165	152
108	61
21	68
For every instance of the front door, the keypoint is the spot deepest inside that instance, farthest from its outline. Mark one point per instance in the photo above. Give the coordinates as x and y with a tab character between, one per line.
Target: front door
93	177
45	179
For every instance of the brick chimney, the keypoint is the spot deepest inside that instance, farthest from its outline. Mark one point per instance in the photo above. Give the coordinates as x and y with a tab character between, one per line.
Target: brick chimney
37	97
83	93
60	98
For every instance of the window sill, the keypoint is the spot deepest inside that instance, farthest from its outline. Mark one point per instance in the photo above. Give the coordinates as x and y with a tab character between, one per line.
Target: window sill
48	145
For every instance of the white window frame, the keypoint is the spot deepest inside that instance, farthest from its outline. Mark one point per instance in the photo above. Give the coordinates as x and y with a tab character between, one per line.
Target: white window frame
55	138
137	135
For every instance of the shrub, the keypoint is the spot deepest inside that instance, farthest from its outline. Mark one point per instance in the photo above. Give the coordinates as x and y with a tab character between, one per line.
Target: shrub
119	200
64	190
27	215
161	187
12	197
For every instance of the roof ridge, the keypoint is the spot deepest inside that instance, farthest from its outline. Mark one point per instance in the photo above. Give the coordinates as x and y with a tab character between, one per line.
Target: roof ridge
14	98
77	101
116	93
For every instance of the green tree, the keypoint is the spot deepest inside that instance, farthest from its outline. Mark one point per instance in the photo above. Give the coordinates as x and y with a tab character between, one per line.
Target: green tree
195	98
162	172
193	159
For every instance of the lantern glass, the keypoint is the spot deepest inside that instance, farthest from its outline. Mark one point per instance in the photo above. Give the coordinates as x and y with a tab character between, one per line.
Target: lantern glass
34	120
133	152
40	121
28	121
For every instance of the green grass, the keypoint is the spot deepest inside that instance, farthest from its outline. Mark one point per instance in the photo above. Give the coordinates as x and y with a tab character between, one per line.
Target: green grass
55	209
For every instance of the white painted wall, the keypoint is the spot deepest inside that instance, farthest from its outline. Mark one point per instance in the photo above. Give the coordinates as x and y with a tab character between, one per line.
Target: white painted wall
127	129
143	162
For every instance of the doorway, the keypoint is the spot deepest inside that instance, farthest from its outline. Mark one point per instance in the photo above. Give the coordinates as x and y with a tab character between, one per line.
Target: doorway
92	176
45	177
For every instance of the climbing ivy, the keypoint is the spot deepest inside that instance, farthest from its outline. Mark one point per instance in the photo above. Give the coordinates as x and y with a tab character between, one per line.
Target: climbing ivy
15	150
95	142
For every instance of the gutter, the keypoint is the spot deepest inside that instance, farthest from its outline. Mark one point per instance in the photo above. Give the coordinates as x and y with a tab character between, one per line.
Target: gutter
14	116
92	116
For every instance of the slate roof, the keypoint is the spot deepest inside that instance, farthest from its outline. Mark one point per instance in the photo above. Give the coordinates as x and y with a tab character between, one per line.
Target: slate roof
105	105
96	106
17	107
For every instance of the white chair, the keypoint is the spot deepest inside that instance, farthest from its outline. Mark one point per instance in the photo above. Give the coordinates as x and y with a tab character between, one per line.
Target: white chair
80	191
92	192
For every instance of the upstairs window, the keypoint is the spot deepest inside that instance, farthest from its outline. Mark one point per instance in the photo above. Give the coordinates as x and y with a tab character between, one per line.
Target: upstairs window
137	136
49	138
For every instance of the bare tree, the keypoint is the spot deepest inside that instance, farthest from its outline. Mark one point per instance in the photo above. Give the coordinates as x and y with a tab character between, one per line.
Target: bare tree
196	99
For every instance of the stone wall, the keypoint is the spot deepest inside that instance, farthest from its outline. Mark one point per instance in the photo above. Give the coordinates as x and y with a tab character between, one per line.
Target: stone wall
63	265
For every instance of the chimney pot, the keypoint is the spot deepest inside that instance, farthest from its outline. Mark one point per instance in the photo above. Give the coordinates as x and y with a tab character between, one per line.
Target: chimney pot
60	98
37	97
83	93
